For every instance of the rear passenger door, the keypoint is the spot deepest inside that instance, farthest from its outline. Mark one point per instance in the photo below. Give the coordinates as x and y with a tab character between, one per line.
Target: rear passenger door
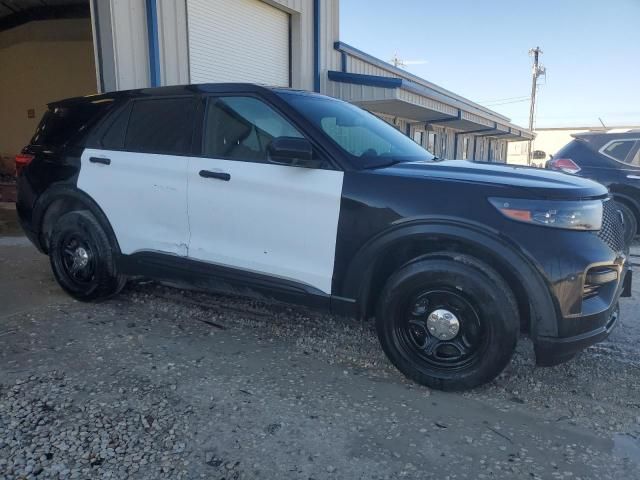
256	216
138	176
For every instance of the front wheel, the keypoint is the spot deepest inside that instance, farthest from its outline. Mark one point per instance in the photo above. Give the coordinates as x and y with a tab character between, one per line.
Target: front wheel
448	321
82	258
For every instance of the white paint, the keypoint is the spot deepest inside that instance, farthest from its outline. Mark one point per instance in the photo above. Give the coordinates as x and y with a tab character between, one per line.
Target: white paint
144	197
271	219
238	41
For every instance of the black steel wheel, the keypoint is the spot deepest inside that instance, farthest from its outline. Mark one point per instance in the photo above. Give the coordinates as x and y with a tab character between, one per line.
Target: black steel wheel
448	322
82	258
443	328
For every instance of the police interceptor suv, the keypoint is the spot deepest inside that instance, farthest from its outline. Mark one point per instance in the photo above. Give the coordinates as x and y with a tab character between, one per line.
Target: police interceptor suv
302	198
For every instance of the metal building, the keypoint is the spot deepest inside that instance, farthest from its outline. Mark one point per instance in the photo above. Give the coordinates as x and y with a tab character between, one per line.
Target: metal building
141	43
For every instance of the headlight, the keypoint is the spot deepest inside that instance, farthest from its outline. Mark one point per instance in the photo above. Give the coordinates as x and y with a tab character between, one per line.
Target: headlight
574	215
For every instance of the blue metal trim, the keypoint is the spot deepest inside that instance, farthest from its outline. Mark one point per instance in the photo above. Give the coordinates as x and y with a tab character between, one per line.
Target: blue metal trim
154	49
496	134
361	79
447	119
316	45
479	131
343	61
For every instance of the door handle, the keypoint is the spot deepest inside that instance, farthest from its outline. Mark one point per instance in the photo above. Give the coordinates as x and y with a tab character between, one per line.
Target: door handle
217	175
103	161
634	177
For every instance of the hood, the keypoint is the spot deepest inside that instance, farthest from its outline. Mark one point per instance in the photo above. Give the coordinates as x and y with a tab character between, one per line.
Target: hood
536	181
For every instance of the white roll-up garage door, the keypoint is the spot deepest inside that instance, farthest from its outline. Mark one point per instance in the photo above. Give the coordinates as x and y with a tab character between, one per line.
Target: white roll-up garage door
238	41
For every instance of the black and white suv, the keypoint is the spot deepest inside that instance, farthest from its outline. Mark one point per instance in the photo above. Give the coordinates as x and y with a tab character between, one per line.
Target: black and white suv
298	197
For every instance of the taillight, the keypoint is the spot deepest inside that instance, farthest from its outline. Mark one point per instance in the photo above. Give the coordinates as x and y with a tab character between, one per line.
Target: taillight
565	165
22	160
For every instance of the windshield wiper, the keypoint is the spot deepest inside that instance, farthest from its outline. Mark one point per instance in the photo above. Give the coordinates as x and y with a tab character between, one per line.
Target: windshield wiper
381	164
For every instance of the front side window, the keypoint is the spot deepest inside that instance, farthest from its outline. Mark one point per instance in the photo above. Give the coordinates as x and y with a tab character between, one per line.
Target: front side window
618	149
241	128
162	125
367	140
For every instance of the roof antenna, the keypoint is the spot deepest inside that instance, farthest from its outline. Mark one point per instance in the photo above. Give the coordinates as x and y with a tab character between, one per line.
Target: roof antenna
603	125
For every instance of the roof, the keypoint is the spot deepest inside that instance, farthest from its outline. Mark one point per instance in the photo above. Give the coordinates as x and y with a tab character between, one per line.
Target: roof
176	90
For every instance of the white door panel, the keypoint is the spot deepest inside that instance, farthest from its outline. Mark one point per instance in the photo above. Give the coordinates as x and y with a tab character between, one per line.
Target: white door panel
144	197
271	219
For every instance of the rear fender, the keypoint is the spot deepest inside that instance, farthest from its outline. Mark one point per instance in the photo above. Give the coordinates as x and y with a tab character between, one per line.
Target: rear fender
68	198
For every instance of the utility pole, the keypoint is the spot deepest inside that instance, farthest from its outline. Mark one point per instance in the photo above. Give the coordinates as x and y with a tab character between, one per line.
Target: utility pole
537	71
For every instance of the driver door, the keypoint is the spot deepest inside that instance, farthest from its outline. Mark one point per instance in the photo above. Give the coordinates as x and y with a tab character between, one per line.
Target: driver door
255	216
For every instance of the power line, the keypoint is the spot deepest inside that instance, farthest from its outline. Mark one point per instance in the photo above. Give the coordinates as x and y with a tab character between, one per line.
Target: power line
504	99
506	103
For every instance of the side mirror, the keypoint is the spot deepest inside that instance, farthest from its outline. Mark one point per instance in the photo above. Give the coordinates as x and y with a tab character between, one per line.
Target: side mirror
292	151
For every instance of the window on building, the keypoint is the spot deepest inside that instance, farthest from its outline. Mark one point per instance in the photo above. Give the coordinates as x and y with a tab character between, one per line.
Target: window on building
444	139
241	128
619	149
431	142
161	126
417	136
465	148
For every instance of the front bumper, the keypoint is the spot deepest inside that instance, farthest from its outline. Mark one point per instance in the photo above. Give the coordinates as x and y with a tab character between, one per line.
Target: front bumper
552	351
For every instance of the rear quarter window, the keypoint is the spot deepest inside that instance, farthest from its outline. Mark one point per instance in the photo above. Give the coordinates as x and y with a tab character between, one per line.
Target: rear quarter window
619	149
64	125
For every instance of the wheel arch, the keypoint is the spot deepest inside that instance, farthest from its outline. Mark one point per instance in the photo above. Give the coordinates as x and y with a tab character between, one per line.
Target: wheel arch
626	199
62	199
403	243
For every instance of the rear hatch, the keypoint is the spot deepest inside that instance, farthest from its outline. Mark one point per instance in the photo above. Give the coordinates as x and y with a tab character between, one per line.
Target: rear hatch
65	123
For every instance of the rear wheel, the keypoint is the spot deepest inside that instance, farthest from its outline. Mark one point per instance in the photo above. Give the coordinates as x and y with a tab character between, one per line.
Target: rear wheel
82	258
448	321
630	222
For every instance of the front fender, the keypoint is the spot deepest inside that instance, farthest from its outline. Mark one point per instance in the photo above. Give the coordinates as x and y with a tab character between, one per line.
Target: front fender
358	280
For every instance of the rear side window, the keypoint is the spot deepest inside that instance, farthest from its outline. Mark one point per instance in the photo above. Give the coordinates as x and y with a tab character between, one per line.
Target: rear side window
619	149
60	125
161	126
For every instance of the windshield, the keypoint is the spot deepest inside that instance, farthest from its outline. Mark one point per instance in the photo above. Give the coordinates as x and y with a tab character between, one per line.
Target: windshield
369	141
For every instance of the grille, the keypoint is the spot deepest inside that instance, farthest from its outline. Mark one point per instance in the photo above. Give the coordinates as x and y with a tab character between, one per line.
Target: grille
612	231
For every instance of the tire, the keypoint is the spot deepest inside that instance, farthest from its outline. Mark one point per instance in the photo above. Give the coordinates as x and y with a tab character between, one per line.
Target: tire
630	222
418	343
82	258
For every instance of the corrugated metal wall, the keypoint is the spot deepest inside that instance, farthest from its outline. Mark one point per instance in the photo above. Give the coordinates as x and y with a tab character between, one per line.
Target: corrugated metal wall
172	39
130	46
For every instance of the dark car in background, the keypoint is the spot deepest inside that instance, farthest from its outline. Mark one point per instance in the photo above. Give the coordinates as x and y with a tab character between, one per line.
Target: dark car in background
613	159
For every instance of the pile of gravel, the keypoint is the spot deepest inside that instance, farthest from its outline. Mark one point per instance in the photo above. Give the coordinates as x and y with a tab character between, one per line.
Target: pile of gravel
53	426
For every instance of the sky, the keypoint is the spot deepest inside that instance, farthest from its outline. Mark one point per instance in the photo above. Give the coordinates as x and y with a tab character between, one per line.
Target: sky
479	49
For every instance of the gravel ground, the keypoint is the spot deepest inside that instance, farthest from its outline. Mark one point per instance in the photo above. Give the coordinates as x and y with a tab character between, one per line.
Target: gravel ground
167	383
